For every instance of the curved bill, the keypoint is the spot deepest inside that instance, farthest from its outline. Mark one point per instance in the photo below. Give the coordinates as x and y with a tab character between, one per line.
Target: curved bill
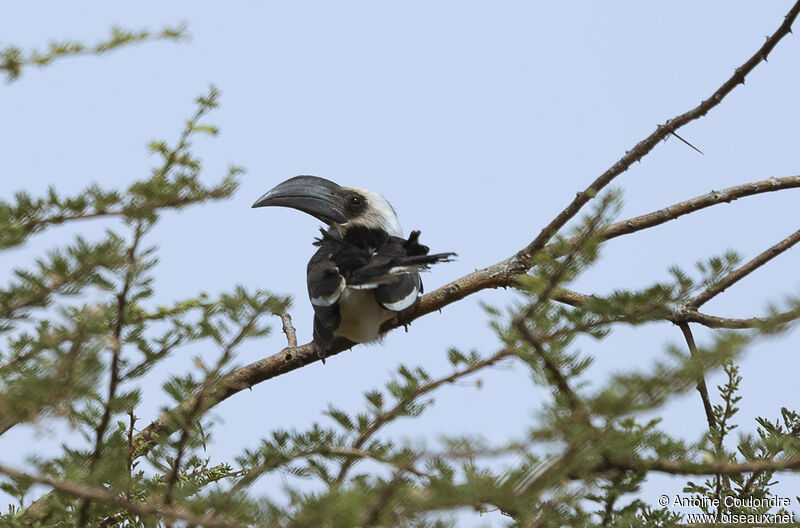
318	197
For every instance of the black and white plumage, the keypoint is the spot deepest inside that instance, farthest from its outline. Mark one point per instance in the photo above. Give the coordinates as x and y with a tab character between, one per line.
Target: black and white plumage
364	272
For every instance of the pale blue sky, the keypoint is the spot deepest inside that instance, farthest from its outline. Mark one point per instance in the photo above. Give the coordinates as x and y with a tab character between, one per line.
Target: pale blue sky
477	120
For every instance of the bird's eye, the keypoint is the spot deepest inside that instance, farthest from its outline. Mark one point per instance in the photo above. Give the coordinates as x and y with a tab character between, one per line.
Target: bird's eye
355	203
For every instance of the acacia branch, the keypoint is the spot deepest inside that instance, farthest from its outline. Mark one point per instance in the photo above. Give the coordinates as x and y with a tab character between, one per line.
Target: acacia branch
677	210
713	321
713	426
90	493
738	274
124	211
372	516
503	273
574	298
662	132
701	381
288	329
559	380
688	467
13	60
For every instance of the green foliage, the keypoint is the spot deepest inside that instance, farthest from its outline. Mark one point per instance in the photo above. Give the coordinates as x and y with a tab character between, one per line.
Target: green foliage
13	59
174	183
82	331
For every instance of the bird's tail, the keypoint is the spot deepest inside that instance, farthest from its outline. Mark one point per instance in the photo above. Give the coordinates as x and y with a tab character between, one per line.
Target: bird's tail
373	275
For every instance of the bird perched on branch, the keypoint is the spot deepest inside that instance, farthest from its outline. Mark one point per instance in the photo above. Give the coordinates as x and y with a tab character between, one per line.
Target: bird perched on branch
364	272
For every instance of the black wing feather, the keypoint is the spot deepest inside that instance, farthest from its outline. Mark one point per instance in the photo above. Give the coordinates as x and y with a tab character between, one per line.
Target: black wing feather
366	258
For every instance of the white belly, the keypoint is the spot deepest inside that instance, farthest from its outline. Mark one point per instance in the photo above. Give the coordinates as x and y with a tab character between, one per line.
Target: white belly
362	316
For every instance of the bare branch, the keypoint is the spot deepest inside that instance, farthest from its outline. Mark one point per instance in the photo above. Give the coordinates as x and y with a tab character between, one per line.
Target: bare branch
288	329
712	321
672	212
701	381
743	271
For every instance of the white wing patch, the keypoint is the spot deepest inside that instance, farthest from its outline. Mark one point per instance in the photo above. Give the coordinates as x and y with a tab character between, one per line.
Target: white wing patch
329	299
403	303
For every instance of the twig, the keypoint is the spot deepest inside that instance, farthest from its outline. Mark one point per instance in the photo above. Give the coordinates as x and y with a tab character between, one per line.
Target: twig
713	321
559	380
574	298
8	311
255	472
703	390
288	329
677	210
90	493
750	481
736	275
132	418
701	381
200	405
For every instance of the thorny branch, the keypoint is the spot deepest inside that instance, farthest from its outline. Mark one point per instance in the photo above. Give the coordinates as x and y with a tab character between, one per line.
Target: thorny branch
677	210
503	273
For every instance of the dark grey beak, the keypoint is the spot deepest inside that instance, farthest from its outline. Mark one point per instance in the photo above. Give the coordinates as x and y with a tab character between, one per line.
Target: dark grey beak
318	197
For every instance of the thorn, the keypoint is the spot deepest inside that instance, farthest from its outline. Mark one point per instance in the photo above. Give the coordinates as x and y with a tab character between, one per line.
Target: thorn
695	148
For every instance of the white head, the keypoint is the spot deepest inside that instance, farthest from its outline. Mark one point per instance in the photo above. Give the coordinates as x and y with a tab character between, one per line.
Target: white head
378	213
339	207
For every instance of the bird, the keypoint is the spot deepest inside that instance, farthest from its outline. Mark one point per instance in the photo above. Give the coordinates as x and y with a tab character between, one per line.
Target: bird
364	272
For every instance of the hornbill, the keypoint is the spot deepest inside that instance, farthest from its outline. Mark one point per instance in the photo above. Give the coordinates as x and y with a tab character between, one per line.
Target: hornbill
364	272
